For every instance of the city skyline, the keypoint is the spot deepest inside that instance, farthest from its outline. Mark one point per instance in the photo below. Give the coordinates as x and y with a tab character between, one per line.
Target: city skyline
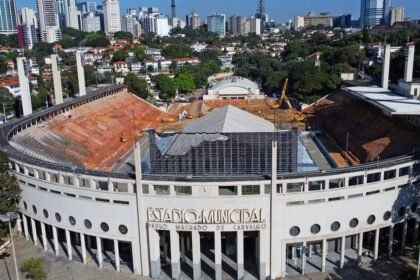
274	8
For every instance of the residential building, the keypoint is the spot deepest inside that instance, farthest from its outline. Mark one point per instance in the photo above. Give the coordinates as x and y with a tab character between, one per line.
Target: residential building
27	36
87	7
27	16
396	14
48	21
217	23
162	25
234	24
71	14
61	12
374	12
255	25
121	67
130	22
8	17
112	17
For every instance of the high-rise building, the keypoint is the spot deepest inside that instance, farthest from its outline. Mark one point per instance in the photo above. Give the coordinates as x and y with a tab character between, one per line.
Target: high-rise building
255	24
8	17
342	21
162	25
71	14
87	7
217	23
27	16
374	12
112	16
193	21
91	22
27	36
61	12
48	21
235	23
130	22
396	14
313	20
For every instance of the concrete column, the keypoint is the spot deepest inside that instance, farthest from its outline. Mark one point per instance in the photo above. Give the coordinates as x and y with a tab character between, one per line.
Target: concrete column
56	245
360	244
25	226
76	182
80	74
47	176
390	240
92	184
376	246
196	252
36	174
117	255
175	254
240	254
83	246
409	64
44	237
24	86
309	250
324	255
303	258
183	248
342	251
34	234
99	252
218	254
385	67
58	89
154	251
404	235
263	250
68	243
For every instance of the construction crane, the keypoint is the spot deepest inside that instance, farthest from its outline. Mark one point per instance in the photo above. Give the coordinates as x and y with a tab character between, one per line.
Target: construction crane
297	116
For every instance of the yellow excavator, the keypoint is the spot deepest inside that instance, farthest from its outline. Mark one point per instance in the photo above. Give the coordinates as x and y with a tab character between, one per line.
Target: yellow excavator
298	116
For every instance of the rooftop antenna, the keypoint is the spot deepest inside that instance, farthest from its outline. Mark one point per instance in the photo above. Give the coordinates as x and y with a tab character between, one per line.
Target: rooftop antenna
173	9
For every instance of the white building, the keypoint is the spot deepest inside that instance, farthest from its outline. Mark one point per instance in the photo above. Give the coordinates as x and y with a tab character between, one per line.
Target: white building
112	16
71	13
255	24
48	21
91	22
266	225
234	88
396	14
162	26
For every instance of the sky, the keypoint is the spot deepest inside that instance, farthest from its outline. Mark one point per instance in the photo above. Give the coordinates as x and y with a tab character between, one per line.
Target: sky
279	10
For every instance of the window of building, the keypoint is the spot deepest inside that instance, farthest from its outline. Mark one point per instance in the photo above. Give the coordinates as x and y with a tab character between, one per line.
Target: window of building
316	186
354	222
88	224
228	190
251	190
374	177
25	205
58	217
372	192
371	219
104	227
295	187
387	215
183	190
390	174
72	220
294	231
335	226
404	171
161	190
45	213
34	209
123	229
315	229
337	183
145	189
356	180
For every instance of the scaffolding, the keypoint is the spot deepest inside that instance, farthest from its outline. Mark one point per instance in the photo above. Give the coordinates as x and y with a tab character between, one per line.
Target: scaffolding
221	154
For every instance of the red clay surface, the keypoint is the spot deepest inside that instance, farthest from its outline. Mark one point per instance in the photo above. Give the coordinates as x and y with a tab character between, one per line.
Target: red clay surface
96	128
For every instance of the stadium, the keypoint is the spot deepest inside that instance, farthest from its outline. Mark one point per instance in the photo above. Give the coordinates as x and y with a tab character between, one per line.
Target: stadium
106	180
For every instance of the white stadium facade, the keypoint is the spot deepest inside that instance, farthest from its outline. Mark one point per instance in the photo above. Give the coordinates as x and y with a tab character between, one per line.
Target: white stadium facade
223	198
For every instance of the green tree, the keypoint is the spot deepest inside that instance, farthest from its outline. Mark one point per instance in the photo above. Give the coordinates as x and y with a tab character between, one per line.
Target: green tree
123	35
96	40
136	85
177	51
184	82
7	100
9	190
120	55
34	269
166	86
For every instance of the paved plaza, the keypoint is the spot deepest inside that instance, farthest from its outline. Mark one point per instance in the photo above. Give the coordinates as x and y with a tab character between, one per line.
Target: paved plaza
399	267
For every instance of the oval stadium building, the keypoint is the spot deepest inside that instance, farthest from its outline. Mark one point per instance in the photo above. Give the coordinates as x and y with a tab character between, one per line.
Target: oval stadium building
227	195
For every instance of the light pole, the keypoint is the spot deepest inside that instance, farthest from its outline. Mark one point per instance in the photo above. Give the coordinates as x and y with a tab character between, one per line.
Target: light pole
8	218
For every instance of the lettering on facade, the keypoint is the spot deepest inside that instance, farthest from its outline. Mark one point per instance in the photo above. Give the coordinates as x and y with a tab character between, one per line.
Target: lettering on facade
205	216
